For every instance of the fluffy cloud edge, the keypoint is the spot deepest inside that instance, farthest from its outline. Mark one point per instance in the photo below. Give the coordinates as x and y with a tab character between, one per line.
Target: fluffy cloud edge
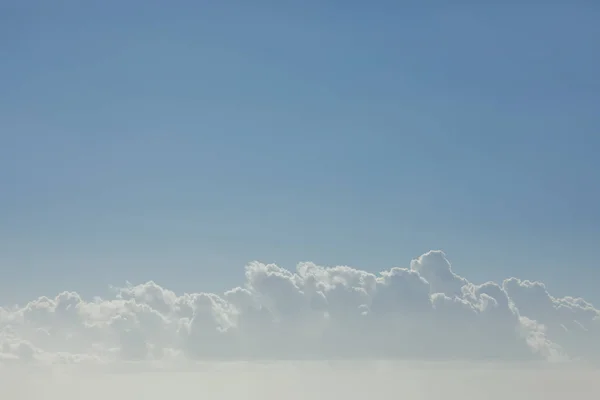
423	312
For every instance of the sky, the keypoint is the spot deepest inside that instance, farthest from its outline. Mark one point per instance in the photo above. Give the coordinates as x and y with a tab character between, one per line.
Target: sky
178	143
310	380
314	381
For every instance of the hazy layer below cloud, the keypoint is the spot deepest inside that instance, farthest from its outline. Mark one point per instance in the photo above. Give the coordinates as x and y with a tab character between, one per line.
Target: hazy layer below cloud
309	380
423	312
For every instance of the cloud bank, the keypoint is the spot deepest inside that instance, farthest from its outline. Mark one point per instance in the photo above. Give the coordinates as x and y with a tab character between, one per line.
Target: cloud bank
423	312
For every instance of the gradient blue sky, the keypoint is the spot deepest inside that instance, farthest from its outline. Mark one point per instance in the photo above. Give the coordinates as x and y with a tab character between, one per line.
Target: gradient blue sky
177	141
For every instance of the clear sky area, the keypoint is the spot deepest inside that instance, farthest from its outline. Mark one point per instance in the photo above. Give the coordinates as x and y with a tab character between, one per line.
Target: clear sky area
179	141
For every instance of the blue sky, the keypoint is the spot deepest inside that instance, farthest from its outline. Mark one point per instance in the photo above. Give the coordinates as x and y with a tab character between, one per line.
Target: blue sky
140	140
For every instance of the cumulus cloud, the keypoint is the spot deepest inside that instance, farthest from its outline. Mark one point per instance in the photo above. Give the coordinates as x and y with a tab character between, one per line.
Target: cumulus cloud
423	312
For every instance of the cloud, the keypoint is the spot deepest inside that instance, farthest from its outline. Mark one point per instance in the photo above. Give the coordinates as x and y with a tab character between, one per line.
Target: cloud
423	312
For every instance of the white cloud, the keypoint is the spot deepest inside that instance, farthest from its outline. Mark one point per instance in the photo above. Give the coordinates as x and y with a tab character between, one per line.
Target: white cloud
426	311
